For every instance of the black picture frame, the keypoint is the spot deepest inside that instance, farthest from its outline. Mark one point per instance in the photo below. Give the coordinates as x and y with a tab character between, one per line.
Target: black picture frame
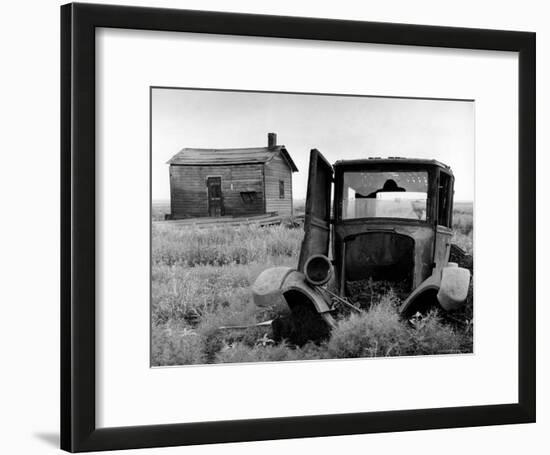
78	174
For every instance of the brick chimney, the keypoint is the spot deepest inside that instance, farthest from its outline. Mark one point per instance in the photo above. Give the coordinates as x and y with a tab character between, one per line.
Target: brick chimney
271	140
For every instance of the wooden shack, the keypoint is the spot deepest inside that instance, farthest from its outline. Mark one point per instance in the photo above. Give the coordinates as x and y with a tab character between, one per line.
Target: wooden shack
231	182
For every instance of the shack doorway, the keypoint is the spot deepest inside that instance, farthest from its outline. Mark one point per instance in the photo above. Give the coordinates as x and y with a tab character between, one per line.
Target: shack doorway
215	200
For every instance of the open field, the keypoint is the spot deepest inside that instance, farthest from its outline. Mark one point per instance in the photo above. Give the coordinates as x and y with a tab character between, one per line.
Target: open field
463	225
159	209
201	280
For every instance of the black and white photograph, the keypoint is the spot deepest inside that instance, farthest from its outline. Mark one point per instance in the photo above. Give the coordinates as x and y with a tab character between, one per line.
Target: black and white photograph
273	227
299	226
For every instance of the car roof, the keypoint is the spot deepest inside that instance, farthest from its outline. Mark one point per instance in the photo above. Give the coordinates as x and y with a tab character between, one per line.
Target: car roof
375	161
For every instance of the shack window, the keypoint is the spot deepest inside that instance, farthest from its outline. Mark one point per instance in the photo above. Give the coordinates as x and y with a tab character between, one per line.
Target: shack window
249	197
281	189
376	194
444	196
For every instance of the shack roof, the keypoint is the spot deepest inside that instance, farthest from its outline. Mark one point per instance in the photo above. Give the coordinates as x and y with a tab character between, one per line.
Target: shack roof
200	156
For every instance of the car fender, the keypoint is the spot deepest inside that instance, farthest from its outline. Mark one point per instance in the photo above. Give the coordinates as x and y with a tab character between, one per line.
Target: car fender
296	281
453	291
432	283
267	289
272	284
450	285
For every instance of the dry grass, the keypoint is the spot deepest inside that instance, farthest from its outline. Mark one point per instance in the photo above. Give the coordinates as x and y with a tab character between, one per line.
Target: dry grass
159	209
463	226
381	332
224	245
201	280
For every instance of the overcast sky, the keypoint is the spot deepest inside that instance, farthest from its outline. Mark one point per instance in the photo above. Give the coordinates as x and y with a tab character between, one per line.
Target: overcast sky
340	127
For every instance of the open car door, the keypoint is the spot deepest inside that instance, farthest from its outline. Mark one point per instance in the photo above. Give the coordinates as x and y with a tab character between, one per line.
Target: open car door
317	217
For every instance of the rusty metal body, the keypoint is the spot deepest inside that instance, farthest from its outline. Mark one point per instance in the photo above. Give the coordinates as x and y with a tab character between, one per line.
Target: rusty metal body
428	239
378	231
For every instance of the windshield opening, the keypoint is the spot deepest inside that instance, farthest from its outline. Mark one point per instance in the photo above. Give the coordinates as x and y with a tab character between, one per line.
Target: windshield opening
376	194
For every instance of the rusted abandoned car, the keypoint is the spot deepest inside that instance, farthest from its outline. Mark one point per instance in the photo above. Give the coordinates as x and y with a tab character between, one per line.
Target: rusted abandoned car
389	222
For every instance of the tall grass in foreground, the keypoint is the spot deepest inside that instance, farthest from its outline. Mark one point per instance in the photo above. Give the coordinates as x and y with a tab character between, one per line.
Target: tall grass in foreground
201	280
379	332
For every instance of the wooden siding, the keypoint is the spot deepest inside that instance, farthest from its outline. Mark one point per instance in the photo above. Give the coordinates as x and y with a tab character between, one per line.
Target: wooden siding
189	195
276	170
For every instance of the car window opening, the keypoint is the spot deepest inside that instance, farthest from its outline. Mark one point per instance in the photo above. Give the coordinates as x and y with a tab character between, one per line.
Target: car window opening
376	194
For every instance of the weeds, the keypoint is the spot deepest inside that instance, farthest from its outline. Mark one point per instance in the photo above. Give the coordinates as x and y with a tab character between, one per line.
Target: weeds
375	333
173	346
222	245
463	225
201	280
381	332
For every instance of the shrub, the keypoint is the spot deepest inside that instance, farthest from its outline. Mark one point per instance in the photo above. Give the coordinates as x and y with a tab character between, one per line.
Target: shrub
171	346
381	332
377	332
239	312
431	336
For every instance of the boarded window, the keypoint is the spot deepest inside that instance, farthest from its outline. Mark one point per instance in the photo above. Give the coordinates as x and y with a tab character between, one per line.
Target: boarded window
249	197
281	189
